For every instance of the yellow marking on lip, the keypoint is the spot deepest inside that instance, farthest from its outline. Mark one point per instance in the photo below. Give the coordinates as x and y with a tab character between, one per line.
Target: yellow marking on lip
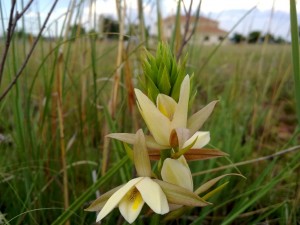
137	201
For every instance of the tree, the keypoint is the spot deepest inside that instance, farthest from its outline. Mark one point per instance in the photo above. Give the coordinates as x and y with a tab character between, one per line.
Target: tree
280	40
238	38
20	33
269	38
110	28
93	34
254	36
76	30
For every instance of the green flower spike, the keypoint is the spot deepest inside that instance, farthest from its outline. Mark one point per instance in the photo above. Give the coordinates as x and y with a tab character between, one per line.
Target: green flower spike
162	73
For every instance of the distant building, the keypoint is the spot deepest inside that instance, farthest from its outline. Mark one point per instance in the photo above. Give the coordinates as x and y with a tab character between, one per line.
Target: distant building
207	30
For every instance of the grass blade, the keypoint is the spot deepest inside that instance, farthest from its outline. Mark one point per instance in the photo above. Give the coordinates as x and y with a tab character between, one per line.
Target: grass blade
295	54
87	194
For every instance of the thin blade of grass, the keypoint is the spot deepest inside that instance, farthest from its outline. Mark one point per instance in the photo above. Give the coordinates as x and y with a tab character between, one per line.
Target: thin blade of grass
235	213
89	192
295	54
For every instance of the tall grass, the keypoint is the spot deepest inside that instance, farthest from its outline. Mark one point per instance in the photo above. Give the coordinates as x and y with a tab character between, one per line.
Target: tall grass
46	175
295	54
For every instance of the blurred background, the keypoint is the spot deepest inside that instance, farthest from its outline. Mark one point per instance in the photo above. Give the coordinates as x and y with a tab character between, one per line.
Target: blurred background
67	81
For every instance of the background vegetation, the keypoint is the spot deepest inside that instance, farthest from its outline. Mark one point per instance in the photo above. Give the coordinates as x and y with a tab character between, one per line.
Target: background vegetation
76	88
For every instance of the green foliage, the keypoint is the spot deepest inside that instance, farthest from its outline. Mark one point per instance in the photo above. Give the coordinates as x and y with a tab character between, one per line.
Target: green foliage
76	31
268	38
238	38
295	56
110	28
254	37
21	34
64	217
256	116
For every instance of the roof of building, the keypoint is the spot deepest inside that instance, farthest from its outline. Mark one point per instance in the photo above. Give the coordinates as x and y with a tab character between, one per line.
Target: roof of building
211	30
206	25
192	19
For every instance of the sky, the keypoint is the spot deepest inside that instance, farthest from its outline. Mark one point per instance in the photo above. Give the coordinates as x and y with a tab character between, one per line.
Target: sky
268	15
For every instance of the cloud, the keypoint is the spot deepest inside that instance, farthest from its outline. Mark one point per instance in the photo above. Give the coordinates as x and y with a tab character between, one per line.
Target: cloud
227	14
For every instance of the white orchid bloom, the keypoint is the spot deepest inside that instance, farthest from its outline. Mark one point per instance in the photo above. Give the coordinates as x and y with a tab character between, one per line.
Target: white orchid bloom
177	171
157	194
131	197
168	121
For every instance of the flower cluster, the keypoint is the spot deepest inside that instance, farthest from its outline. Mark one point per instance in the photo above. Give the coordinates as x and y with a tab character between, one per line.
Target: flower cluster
174	138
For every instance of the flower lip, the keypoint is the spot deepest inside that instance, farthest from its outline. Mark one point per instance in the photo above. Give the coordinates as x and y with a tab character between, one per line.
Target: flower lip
114	200
131	197
166	105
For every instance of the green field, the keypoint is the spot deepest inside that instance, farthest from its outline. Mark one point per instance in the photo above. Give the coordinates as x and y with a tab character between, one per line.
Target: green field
255	117
54	120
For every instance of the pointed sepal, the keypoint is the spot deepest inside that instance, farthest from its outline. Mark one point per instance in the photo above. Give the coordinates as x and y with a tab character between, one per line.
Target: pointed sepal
196	121
203	153
140	155
207	185
181	196
98	204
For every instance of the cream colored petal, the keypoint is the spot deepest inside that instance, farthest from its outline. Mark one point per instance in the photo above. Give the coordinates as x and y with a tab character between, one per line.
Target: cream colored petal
131	205
151	143
114	200
181	111
174	207
179	195
157	123
141	157
196	121
124	137
183	161
203	139
166	105
153	195
98	204
177	171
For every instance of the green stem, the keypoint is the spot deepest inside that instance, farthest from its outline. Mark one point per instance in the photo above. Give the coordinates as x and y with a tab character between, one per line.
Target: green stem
163	155
87	194
295	54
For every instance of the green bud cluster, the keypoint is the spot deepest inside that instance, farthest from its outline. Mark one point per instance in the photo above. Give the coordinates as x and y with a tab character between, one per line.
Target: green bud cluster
162	73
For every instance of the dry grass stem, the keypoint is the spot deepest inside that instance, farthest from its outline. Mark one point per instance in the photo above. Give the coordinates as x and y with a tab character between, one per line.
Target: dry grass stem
282	152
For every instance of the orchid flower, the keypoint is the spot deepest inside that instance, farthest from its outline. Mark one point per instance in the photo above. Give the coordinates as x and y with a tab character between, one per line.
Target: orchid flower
131	197
177	171
169	124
